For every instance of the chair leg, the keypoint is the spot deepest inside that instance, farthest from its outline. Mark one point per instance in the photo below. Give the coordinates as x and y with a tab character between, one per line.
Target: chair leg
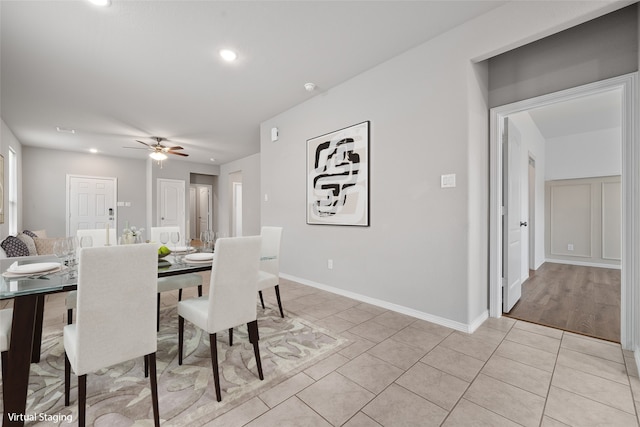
146	366
180	338
158	314
67	379
82	400
261	299
254	337
214	363
279	301
199	290
69	316
179	294
230	337
154	387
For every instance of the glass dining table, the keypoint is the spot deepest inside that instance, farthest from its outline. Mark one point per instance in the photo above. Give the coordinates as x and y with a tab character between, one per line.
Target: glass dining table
28	294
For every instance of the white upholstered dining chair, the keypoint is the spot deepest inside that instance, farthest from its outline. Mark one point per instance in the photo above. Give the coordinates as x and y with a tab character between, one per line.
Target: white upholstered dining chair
270	263
6	319
116	315
98	239
231	301
99	236
178	282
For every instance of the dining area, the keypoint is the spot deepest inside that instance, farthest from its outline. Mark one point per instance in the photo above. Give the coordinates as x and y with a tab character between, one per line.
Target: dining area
113	300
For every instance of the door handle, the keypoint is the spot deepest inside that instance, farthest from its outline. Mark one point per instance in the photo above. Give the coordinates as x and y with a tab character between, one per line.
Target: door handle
523	224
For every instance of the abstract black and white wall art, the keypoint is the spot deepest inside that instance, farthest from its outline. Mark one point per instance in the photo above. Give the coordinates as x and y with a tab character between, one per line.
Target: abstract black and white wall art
338	177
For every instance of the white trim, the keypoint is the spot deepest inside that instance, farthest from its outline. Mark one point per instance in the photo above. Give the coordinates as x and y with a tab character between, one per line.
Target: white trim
630	301
583	263
458	326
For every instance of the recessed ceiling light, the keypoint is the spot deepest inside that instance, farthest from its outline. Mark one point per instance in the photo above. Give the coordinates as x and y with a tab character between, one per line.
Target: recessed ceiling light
93	150
65	130
228	55
102	3
212	159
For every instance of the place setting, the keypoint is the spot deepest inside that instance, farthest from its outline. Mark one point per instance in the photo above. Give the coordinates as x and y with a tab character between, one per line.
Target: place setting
34	270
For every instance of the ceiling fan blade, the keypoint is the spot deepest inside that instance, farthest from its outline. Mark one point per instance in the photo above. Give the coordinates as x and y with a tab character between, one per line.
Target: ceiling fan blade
178	154
136	148
144	143
177	147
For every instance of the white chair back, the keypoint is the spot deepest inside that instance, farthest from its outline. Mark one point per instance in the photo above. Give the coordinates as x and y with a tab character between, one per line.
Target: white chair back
270	250
99	236
116	307
155	233
233	287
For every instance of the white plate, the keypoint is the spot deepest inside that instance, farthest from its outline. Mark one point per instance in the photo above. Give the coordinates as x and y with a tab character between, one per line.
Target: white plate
182	249
202	256
39	267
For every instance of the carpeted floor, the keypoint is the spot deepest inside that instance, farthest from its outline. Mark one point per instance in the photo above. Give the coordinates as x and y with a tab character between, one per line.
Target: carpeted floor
120	395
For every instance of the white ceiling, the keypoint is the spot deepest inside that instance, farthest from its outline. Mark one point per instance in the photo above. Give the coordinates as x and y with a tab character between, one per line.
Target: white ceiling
150	68
581	115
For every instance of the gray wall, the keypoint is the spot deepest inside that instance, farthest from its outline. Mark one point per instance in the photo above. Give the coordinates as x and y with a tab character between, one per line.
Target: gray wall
426	249
596	50
44	181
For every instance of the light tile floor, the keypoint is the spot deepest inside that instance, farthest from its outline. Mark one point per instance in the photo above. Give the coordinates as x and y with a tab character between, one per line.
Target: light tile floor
402	371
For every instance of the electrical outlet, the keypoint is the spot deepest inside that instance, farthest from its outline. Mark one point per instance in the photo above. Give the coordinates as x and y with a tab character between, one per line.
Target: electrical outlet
570	247
330	264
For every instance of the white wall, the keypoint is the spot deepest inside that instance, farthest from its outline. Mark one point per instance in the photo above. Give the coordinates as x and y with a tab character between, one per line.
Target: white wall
426	250
585	155
250	167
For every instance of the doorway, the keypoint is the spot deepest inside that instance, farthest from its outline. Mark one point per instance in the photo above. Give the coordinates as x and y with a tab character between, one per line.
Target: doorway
200	209
626	87
235	199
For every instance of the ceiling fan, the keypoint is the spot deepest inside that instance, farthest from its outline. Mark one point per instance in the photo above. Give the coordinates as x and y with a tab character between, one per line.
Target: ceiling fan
158	150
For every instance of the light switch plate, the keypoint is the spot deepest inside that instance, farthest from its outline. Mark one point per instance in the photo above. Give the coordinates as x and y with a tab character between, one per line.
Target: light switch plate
448	181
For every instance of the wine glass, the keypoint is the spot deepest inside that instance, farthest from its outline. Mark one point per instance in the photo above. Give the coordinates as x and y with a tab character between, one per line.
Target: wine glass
175	238
164	238
60	249
86	241
72	248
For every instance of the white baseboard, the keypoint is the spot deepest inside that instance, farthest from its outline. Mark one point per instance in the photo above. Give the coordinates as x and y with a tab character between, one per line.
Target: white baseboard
458	326
584	263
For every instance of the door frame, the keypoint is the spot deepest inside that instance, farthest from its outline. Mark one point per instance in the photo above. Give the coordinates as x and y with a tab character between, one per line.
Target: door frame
630	280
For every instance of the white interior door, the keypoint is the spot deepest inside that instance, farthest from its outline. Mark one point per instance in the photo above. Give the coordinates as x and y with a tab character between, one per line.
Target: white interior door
171	204
512	251
91	203
204	208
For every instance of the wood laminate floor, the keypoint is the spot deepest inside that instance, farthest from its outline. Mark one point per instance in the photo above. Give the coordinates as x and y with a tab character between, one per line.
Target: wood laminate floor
585	300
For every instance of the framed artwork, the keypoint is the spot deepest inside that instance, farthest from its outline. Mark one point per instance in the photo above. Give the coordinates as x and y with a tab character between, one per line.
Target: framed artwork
1	189
338	177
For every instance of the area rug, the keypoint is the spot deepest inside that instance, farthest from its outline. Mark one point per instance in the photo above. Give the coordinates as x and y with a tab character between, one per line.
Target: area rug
120	395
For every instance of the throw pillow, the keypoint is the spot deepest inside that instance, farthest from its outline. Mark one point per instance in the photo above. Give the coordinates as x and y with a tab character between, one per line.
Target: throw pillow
44	246
28	240
40	233
30	233
14	247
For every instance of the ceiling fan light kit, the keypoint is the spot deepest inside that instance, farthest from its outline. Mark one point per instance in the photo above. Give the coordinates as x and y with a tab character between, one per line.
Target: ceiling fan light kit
159	151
